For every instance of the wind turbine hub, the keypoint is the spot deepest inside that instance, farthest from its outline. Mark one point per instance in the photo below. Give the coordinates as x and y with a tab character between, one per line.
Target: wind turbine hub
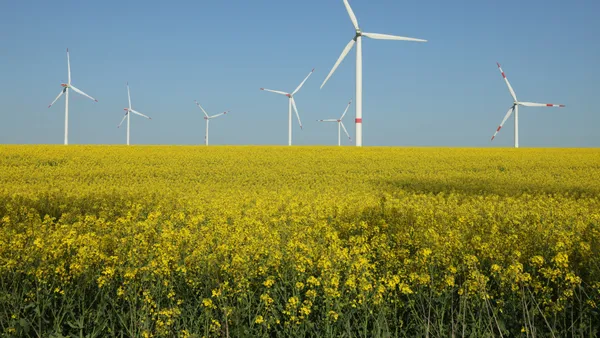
206	118
289	95
64	85
339	121
358	34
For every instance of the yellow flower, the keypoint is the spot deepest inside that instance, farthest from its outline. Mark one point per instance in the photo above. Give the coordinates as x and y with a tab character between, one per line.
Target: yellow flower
269	282
313	281
208	303
537	261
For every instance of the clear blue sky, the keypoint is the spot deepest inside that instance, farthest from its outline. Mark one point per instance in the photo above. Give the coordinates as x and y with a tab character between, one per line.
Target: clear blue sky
447	92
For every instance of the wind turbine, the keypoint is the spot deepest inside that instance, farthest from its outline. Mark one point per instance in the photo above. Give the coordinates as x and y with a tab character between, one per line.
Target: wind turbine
515	109
208	118
357	39
65	90
292	103
127	113
340	125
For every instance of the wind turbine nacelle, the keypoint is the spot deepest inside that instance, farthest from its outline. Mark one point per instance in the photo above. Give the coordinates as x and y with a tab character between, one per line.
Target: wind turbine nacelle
126	109
206	118
289	95
64	85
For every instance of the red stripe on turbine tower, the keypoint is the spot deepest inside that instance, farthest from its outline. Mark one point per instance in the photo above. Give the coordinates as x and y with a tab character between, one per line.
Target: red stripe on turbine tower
358	120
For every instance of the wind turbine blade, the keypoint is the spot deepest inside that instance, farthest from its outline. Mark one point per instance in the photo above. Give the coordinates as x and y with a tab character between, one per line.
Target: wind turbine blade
204	111
275	91
378	36
123	120
58	97
328	120
340	59
510	89
296	110
82	93
510	111
128	95
302	84
344	127
140	114
531	104
345	111
68	66
351	14
215	116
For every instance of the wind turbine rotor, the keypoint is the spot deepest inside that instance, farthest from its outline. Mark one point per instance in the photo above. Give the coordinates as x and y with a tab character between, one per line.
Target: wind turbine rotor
531	104
296	110
510	111
378	36
345	52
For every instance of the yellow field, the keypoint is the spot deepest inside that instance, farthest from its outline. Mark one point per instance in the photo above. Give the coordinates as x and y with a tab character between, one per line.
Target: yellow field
306	241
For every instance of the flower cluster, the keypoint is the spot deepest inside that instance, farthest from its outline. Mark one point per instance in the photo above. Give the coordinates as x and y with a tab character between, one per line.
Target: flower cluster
315	241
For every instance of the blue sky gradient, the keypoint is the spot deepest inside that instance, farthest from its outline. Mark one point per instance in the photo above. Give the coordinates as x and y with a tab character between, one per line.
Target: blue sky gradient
447	92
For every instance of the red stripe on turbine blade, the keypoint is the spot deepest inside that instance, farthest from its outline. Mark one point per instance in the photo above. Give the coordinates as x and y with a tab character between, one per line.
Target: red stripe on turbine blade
498	129
493	137
358	121
504	76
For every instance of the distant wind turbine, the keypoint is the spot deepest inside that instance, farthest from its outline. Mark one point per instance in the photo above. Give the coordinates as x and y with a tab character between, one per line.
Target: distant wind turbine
127	114
65	90
292	103
207	119
340	125
515	109
357	39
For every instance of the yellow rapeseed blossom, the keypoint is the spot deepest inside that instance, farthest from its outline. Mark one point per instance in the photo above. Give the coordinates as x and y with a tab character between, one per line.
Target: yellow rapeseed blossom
190	241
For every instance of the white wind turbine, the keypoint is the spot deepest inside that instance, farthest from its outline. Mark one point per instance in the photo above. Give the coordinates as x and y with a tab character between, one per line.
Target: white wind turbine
65	90
340	125
515	109
357	39
127	114
292	103
208	118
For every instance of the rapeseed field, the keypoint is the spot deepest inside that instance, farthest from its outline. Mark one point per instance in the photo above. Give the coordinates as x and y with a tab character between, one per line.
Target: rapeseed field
100	241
